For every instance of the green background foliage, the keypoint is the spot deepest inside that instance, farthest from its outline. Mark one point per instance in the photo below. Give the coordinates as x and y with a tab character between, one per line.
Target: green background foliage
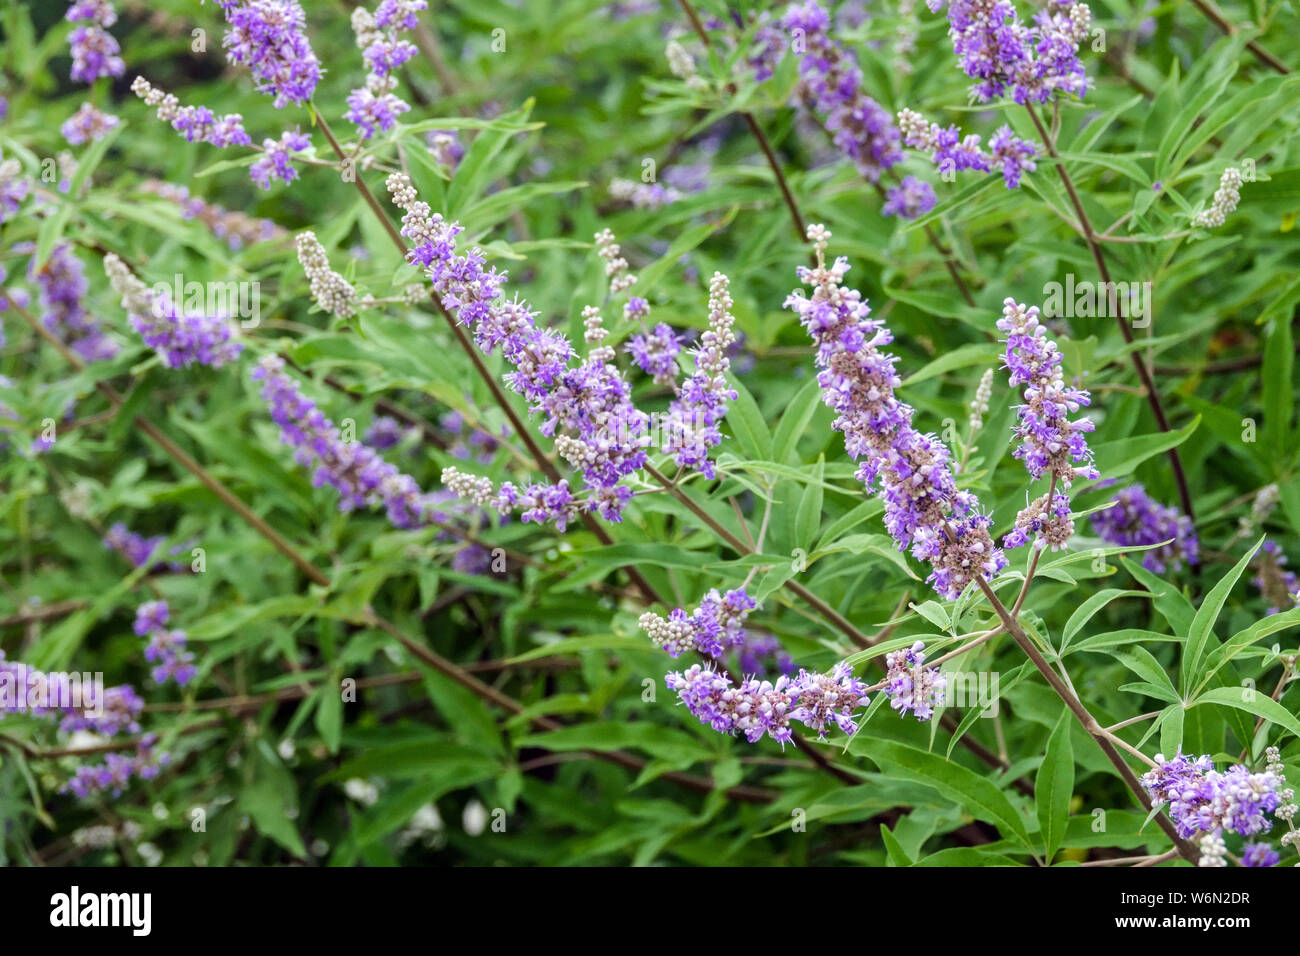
578	97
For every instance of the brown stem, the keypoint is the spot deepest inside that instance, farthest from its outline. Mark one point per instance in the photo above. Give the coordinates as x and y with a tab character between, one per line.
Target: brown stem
1088	722
43	612
1215	16
763	143
368	617
1090	237
277	541
825	610
468	347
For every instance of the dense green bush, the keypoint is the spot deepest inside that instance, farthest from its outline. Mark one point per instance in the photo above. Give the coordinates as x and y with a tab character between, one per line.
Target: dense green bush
417	677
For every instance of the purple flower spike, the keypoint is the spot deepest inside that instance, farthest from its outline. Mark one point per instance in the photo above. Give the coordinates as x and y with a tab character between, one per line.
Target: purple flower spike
912	685
179	339
277	156
87	124
825	699
691	425
1136	520
353	469
910	199
269	37
755	708
1259	854
1048	440
656	351
1005	56
830	83
1203	800
911	471
711	629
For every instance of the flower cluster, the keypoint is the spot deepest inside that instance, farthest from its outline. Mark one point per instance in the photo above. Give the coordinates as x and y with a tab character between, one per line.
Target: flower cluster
1261	506
1259	854
758	708
27	690
757	652
1279	586
117	712
385	432
1003	54
353	469
180	338
541	502
691	423
1049	442
197	124
166	648
87	124
94	51
117	771
655	352
1046	523
830	83
979	406
269	37
1225	202
824	699
446	148
1135	520
951	152
754	708
139	550
643	195
910	199
1287	807
235	228
62	287
1203	800
713	627
276	161
910	470
374	107
913	686
14	188
588	408
331	291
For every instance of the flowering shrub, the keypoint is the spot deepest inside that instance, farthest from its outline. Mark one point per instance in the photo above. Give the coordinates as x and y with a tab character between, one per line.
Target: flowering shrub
761	433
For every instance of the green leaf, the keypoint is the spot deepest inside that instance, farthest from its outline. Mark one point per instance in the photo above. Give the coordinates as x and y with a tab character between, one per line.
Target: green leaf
1054	785
747	424
1171	728
808	516
1253	702
1094	603
1230	648
967	788
1141	662
271	801
329	715
1202	630
794	422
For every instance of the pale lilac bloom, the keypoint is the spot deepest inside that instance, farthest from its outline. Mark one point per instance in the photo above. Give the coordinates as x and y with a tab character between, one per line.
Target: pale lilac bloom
276	161
87	124
911	471
269	37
